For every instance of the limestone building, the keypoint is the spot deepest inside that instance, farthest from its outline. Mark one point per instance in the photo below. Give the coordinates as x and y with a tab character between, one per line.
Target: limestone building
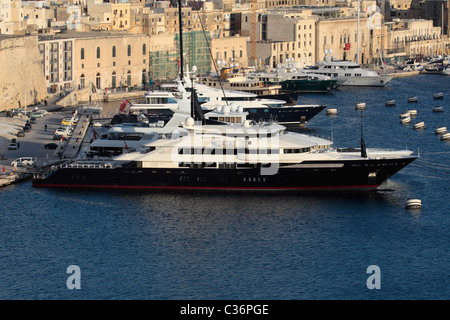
281	35
11	17
77	60
341	37
411	38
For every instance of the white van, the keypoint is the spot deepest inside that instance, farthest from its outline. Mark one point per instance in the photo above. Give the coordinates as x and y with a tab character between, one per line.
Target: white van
24	162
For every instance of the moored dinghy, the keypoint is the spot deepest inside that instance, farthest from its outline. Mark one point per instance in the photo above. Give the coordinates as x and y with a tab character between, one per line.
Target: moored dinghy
332	112
419	125
438	109
413	204
390	103
413	99
360	106
441	130
445	136
438	96
405	117
413	113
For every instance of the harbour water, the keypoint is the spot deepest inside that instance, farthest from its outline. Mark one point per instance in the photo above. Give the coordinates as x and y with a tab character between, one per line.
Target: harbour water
158	246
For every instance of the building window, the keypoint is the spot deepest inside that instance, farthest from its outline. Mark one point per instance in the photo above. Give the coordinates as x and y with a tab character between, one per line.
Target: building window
114	51
144	76
98	81
98	52
82	82
113	80
129	78
82	53
144	49
129	50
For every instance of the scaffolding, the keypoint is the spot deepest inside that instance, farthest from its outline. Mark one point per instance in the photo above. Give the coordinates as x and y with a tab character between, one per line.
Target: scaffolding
164	64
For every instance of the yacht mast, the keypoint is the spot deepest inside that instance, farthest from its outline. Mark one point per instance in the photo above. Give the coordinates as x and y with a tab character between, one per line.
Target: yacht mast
181	40
357	36
442	32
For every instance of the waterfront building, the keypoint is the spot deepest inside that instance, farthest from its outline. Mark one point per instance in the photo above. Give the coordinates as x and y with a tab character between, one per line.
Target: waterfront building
412	37
281	35
80	60
431	10
341	37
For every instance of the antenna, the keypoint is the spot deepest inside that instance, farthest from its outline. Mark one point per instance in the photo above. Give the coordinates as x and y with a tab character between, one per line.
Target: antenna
332	130
363	145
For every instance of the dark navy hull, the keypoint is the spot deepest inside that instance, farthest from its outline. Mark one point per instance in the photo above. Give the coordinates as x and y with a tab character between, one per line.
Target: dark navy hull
289	115
308	86
289	97
325	175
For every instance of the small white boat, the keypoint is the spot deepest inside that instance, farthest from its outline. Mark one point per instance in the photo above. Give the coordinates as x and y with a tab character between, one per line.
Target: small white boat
445	136
413	204
405	117
331	111
439	95
441	130
405	120
389	103
412	99
413	113
405	114
360	106
438	109
419	125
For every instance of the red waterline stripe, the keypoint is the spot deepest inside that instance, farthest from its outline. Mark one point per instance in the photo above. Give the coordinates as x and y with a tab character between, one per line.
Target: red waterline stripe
203	188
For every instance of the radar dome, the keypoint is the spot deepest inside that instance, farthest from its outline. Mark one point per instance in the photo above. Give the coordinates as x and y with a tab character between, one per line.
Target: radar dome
226	109
189	121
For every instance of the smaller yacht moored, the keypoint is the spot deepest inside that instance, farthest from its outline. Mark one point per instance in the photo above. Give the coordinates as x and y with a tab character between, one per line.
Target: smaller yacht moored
390	103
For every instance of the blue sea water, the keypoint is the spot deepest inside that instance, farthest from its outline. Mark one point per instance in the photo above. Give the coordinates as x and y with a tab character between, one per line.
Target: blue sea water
158	246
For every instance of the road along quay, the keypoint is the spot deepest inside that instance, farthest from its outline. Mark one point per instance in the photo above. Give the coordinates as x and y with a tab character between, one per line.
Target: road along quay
36	143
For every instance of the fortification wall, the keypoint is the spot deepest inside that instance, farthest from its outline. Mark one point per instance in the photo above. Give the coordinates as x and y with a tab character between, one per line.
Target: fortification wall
21	75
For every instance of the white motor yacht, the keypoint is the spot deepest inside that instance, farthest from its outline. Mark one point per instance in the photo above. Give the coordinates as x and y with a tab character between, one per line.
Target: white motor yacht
348	73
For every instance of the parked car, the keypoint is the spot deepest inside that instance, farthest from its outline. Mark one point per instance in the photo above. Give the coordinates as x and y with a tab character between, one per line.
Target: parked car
20	134
37	114
60	132
13	146
66	121
24	162
58	136
51	146
33	120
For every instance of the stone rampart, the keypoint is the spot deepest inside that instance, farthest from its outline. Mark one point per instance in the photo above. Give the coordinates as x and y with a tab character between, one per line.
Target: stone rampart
21	74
